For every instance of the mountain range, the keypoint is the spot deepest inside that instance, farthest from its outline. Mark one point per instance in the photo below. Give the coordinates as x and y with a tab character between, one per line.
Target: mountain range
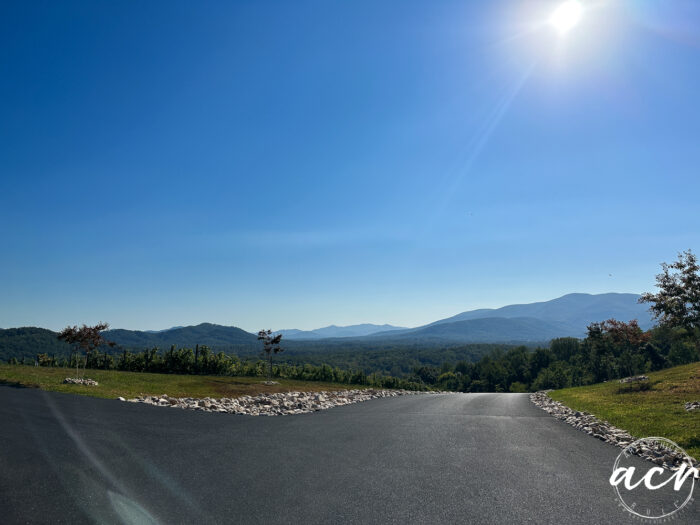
566	316
356	330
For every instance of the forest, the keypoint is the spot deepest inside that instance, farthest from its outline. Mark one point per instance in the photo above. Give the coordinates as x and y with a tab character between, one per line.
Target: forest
611	350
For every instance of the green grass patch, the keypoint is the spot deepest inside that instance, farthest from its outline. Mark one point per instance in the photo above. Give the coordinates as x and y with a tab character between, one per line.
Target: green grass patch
653	408
113	384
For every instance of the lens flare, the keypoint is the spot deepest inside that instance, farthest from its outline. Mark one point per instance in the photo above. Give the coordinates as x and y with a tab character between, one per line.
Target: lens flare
566	16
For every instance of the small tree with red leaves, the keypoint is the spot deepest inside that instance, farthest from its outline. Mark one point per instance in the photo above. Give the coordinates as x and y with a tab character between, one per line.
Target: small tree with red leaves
85	339
623	335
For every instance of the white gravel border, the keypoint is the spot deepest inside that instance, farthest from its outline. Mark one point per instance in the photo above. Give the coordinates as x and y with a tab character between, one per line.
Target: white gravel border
277	404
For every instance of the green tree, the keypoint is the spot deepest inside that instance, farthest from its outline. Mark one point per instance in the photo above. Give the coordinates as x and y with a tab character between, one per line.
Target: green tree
271	346
677	304
682	352
564	347
518	387
556	375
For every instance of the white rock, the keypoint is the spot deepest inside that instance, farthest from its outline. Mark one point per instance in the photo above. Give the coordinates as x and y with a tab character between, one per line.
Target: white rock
284	403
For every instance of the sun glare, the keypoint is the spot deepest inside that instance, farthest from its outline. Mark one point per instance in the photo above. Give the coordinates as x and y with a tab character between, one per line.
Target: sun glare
566	16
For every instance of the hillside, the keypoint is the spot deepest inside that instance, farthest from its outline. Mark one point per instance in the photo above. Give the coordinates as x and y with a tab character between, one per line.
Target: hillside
27	341
653	408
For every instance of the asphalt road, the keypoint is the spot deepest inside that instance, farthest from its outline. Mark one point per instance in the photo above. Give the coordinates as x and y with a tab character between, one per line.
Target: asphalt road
462	458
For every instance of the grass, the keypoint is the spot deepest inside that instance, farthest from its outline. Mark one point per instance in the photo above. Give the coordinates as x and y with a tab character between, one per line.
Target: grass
113	384
653	408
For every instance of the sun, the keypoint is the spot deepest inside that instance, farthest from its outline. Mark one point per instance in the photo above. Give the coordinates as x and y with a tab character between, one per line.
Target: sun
566	16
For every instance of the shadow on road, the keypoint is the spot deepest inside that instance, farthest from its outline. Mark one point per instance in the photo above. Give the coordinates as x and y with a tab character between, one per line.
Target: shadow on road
15	384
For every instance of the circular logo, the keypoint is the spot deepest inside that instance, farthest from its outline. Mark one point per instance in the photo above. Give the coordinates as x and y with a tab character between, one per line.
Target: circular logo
658	488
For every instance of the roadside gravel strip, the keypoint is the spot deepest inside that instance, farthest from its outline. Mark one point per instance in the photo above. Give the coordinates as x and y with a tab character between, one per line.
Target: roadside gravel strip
603	430
280	404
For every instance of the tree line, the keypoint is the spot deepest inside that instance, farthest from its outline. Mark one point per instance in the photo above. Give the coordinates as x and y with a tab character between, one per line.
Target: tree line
201	360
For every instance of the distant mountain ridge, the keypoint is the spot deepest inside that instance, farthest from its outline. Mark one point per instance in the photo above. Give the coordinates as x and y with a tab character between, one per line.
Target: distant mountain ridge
512	330
356	330
574	309
163	330
566	316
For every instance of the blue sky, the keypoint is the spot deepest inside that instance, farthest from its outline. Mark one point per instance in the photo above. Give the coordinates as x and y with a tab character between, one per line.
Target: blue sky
296	164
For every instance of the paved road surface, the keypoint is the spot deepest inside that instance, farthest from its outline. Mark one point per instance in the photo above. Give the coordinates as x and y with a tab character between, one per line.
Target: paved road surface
462	458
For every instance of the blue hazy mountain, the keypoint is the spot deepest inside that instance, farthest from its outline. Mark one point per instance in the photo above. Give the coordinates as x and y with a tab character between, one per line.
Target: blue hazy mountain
163	330
577	310
566	316
357	330
486	330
